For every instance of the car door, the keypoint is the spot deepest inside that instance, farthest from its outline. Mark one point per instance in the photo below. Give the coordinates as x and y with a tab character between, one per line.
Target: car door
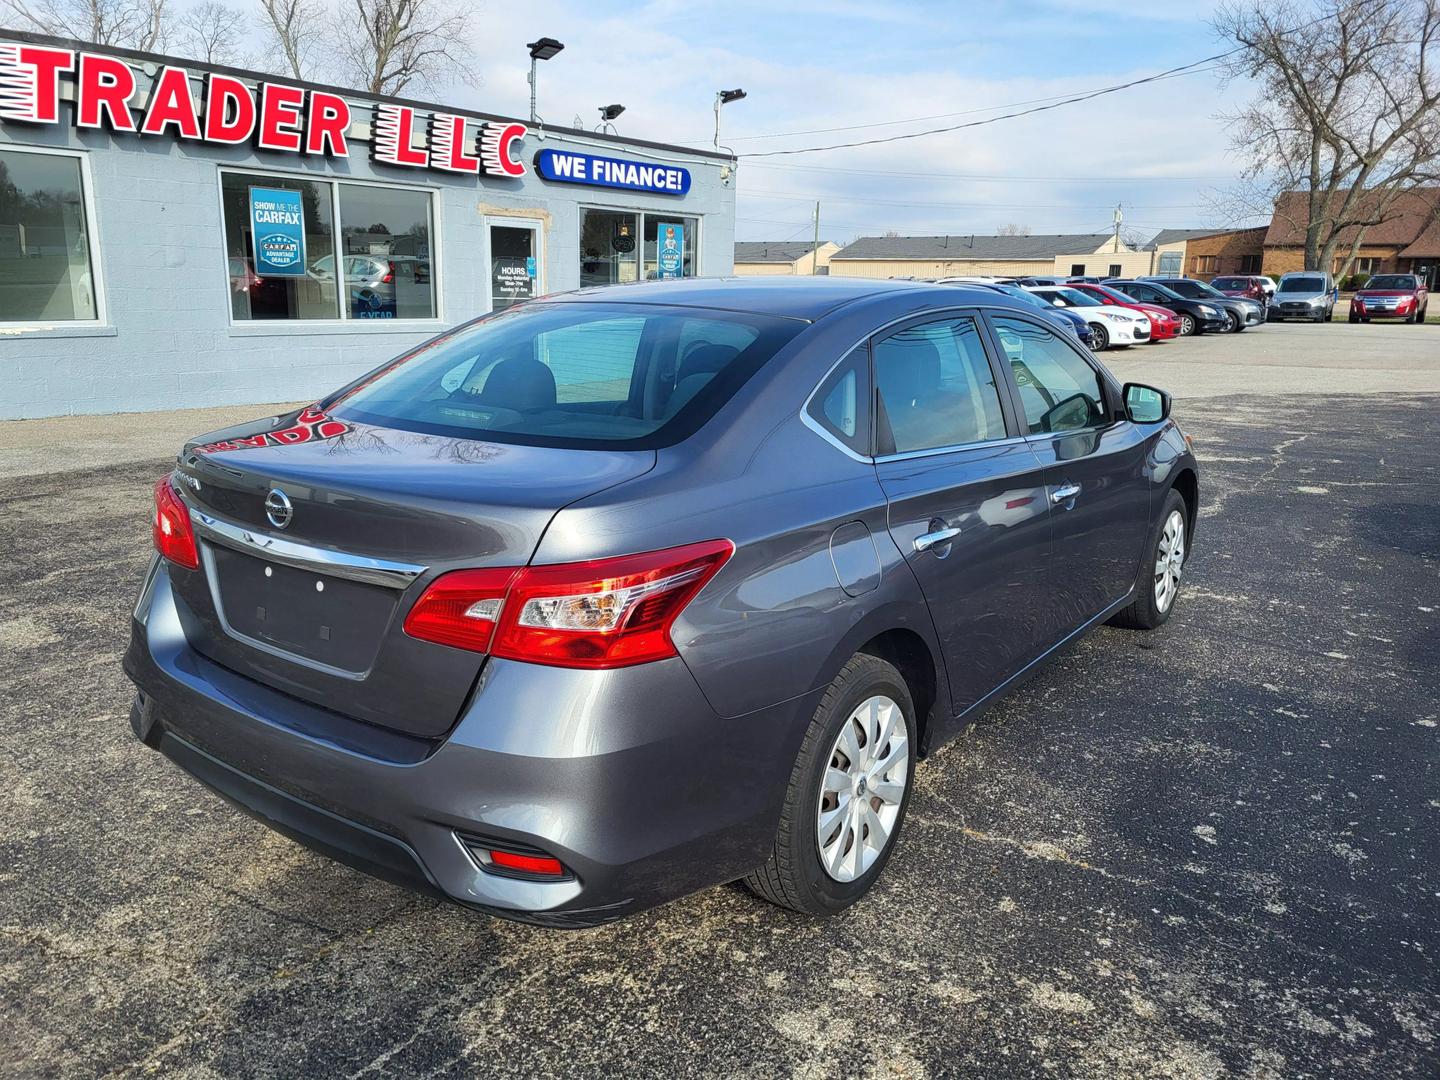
1096	479
966	496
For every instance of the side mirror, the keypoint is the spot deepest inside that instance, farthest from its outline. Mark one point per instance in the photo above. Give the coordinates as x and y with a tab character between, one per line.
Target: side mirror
1146	405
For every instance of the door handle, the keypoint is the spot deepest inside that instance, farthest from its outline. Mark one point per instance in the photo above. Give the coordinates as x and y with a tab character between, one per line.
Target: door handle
934	539
1064	493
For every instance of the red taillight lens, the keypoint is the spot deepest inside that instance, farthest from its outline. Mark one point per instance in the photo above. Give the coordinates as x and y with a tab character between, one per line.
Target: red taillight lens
605	613
461	608
171	531
389	278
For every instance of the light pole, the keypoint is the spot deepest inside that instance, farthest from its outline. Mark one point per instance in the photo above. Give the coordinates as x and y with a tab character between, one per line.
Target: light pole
608	113
724	97
543	49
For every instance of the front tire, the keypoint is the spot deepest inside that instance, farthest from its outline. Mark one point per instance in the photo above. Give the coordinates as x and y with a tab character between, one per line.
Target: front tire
1099	338
1235	324
1187	325
1354	317
1158	585
847	795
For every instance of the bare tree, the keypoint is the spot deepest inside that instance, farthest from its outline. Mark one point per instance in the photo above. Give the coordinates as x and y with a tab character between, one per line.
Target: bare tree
1347	111
1012	230
212	32
296	33
131	24
391	44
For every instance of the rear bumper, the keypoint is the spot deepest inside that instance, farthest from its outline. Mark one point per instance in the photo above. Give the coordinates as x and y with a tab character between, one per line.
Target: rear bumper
628	777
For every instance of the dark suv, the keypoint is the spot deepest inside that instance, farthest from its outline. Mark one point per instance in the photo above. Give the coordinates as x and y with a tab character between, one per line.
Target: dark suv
621	594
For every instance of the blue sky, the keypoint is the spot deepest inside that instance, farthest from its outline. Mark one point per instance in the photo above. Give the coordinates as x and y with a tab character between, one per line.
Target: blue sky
1158	150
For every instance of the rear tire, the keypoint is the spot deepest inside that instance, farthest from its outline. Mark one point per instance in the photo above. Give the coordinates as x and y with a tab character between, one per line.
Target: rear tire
1153	604
797	875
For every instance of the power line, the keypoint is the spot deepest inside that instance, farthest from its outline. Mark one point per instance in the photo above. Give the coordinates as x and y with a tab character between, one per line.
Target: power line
1073	99
992	177
941	116
802	195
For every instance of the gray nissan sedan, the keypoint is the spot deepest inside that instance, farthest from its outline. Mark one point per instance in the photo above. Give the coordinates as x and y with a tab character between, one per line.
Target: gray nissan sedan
621	594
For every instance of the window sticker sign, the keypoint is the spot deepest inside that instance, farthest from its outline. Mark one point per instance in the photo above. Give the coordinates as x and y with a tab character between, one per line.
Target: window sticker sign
670	255
277	228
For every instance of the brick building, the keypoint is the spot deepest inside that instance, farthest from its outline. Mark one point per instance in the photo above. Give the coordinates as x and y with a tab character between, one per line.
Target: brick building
1407	241
1204	253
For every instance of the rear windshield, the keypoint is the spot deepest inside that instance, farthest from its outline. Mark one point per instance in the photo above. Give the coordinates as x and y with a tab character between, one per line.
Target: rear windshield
1391	281
1302	285
581	375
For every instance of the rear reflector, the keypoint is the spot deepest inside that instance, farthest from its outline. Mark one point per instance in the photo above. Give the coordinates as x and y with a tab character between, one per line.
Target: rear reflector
541	865
171	531
604	613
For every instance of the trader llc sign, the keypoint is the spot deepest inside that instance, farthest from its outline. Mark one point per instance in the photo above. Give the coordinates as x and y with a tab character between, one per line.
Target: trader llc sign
229	112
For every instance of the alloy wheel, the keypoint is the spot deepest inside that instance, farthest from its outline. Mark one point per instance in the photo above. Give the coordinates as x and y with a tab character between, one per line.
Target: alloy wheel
1187	326
863	789
1099	338
1169	560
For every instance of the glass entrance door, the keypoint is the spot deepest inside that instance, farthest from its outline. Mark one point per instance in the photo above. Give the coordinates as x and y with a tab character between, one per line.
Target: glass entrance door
514	264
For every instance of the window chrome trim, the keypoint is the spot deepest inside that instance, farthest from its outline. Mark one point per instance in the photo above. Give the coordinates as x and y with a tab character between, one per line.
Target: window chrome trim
933	451
394	575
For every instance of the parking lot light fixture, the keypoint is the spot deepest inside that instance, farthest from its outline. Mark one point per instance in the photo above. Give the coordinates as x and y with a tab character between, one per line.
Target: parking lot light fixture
542	49
724	97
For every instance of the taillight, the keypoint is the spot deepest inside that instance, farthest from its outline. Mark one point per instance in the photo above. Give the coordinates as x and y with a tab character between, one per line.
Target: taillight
171	531
461	608
389	278
604	613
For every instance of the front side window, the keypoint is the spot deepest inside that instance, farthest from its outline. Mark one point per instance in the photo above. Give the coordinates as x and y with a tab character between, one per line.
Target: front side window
46	272
1059	390
936	388
281	240
573	375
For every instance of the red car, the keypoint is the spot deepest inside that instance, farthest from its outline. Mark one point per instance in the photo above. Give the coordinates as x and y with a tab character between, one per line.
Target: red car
1247	285
1391	296
1163	322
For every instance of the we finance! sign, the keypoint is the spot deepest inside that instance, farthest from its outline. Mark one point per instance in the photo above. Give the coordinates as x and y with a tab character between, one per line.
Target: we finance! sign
569	167
223	110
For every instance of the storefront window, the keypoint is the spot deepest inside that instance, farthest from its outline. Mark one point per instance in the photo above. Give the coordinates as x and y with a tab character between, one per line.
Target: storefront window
45	266
385	246
307	289
609	249
289	270
669	247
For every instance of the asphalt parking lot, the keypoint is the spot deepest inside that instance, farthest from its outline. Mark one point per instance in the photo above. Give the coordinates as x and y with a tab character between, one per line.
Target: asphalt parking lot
1207	852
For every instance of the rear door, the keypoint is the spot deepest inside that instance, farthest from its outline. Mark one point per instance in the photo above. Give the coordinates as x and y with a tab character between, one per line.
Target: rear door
1095	476
966	497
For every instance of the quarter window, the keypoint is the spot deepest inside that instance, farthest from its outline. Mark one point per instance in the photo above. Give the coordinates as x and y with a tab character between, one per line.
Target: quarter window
382	269
1058	389
46	272
936	388
842	404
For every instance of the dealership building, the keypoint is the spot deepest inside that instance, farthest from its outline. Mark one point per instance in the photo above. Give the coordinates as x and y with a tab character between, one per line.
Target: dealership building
174	234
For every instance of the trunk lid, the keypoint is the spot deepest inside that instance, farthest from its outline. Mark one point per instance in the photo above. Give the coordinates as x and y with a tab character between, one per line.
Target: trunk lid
316	608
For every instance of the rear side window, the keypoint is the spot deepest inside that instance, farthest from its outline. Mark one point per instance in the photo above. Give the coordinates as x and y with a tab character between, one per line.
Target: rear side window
841	405
1058	389
581	375
936	388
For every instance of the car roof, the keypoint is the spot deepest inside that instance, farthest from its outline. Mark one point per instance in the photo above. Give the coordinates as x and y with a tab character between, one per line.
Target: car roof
806	298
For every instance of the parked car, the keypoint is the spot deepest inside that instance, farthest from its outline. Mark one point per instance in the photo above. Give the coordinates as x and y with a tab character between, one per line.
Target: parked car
1109	324
1249	286
1061	317
1163	323
1194	316
561	644
1391	296
1087	279
1305	294
1027	281
1240	312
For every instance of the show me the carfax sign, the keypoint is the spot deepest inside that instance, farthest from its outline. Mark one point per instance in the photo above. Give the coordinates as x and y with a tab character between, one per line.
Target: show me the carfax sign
223	110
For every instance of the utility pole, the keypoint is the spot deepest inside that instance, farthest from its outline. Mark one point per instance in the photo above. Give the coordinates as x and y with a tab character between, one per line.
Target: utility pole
1119	217
815	251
